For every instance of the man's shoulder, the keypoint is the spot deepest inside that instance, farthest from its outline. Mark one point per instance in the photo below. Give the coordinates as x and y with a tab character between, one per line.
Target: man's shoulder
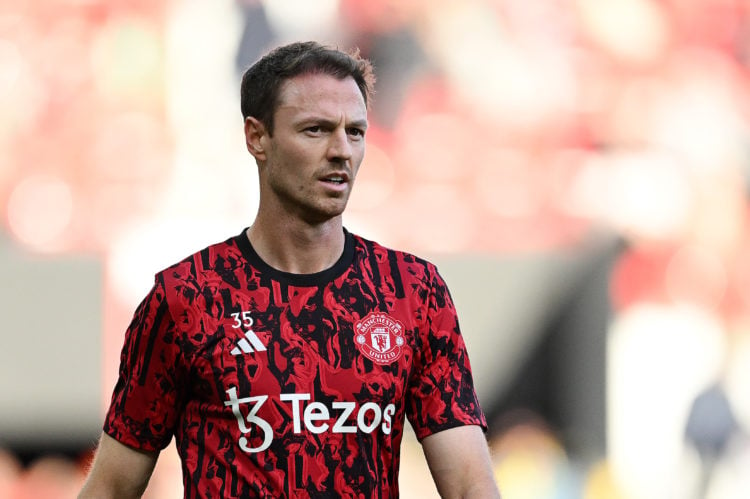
375	246
392	256
217	257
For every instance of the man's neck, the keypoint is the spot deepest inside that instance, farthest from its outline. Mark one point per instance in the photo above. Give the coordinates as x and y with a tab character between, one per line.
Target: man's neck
297	247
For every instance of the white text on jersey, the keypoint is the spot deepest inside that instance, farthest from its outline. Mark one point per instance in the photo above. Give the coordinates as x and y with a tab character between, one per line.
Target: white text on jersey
313	416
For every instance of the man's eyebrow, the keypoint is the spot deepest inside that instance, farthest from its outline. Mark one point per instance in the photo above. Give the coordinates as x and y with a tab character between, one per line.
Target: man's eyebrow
359	123
332	123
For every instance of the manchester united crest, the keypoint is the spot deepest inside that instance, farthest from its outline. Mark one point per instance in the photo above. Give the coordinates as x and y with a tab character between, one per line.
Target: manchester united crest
380	337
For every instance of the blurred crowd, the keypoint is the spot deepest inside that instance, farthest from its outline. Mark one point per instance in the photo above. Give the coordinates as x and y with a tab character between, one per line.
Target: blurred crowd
499	126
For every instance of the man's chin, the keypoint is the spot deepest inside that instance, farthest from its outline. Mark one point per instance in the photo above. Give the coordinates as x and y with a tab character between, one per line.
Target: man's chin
323	215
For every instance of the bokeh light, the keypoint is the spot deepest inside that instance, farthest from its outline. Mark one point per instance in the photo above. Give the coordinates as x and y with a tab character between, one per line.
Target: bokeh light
613	25
295	19
126	61
40	210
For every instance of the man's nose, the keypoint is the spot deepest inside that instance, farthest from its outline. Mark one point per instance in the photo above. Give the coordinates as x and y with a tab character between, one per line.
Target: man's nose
339	147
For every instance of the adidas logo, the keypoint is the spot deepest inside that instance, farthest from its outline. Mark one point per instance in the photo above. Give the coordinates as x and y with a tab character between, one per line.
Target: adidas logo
249	344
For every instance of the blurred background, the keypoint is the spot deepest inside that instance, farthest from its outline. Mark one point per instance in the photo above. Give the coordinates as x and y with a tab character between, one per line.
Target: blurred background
577	169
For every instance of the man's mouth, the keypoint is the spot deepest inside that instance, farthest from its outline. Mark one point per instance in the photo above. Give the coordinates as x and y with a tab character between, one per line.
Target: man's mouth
336	178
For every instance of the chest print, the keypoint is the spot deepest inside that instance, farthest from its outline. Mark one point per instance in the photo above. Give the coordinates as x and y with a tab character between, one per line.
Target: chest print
380	337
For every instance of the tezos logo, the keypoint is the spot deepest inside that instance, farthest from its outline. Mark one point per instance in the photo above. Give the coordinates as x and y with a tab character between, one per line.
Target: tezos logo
380	337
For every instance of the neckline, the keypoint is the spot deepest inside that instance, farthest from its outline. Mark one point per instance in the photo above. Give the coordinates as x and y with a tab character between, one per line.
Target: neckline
303	280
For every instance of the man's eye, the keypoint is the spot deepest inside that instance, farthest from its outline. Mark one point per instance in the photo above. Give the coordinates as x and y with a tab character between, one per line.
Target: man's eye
313	129
357	132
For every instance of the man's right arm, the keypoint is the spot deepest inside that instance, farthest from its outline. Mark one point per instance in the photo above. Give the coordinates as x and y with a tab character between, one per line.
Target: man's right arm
118	471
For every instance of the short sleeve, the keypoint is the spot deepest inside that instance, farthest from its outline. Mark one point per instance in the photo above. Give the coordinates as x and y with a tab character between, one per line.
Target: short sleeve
148	395
441	393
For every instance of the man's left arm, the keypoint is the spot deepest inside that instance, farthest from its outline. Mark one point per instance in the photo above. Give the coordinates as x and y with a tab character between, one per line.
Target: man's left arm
460	464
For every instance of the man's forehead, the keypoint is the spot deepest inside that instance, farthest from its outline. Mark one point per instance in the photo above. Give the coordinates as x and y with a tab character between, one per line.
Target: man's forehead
312	89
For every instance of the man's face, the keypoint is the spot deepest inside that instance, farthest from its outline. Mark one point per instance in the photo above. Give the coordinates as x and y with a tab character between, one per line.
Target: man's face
317	146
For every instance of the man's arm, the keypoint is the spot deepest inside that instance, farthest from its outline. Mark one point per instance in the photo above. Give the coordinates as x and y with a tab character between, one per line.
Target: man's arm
459	462
118	471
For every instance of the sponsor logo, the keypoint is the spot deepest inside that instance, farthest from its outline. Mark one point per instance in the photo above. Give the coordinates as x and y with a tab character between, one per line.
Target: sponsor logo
314	417
380	337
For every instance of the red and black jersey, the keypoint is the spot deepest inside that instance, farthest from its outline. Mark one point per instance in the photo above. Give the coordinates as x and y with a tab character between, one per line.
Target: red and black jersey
285	385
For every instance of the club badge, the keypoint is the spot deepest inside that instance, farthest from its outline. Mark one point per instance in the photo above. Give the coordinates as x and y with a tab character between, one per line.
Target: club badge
380	337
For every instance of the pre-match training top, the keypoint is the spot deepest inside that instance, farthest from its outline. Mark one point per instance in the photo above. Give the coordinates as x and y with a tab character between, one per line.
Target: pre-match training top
287	385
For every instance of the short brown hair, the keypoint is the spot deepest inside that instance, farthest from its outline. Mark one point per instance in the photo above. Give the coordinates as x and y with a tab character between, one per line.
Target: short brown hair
261	83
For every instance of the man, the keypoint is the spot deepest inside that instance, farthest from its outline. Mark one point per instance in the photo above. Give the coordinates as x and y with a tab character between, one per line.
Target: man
284	360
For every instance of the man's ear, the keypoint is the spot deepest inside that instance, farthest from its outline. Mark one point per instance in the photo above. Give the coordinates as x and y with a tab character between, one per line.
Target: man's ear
255	131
